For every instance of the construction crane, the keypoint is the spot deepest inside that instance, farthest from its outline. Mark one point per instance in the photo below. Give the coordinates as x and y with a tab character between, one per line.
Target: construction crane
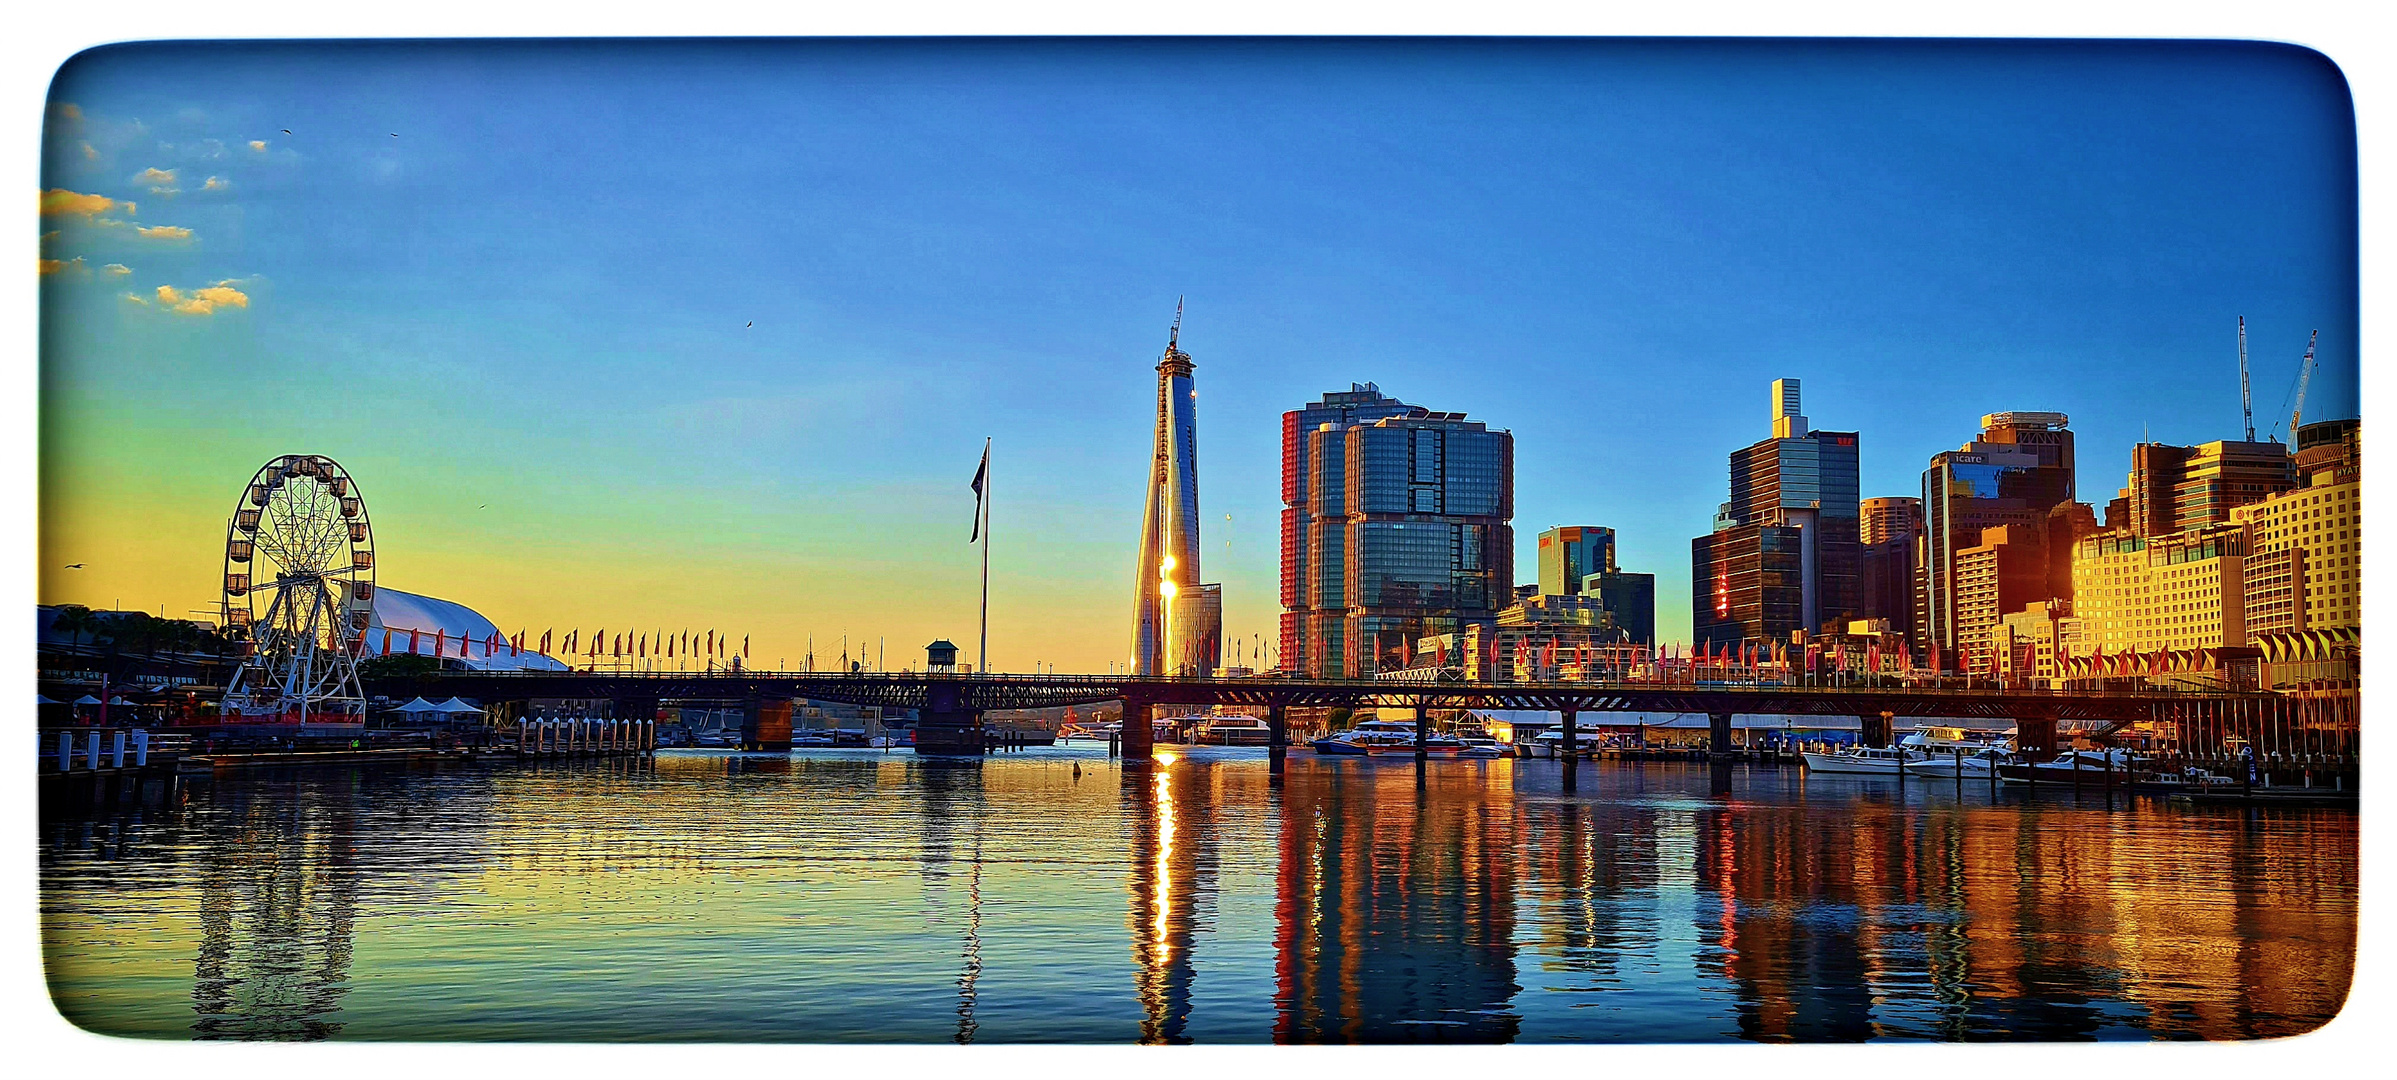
2247	404
2305	374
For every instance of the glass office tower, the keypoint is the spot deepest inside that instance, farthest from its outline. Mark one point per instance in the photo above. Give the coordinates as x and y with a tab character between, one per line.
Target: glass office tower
2019	470
1312	598
1407	535
1784	554
1172	631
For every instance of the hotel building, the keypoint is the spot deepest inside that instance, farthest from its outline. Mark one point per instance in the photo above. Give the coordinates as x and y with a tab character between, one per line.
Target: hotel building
1177	622
2305	571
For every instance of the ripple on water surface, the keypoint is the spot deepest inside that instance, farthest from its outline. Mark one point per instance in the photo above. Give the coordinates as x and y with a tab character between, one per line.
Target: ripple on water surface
870	896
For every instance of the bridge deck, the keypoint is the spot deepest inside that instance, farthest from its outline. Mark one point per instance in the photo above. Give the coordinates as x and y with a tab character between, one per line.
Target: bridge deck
980	693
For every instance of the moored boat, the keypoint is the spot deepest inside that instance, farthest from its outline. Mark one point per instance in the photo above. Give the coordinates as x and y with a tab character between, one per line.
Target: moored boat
1976	765
2083	766
1861	761
1236	731
1377	737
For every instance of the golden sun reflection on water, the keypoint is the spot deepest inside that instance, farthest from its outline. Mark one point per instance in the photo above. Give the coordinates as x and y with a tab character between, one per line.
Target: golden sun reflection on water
870	896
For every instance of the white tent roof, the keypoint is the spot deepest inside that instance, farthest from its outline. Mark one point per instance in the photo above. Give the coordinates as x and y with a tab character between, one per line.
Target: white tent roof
419	705
454	705
401	612
44	699
87	699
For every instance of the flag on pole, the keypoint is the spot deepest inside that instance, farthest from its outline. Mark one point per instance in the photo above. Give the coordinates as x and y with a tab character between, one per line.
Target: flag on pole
744	645
980	471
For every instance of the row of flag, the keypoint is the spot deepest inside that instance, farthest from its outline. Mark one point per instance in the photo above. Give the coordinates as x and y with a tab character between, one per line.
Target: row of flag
598	643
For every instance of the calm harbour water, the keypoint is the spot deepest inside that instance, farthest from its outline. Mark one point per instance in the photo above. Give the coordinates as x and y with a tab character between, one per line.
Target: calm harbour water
870	896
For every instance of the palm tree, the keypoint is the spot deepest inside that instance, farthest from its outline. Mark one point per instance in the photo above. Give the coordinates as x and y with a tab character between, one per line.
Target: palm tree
75	620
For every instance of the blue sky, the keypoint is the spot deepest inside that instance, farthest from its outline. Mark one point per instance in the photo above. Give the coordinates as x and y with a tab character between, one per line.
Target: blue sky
522	321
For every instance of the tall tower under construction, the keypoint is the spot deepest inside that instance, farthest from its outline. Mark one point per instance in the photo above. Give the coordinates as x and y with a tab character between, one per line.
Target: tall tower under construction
1177	623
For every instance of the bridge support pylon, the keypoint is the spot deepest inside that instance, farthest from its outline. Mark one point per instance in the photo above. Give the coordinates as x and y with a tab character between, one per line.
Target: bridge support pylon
1718	735
1571	749
2035	735
1277	738
949	724
1875	727
1138	730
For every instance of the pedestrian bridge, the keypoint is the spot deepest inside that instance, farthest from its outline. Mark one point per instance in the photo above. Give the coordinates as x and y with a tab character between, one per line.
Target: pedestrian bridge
951	706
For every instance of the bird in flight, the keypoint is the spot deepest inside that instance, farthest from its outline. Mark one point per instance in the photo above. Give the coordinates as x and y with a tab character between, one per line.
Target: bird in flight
395	134
485	506
750	323
286	131
74	566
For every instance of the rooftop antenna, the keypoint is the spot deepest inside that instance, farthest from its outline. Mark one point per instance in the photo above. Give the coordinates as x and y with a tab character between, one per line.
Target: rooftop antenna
2305	374
2246	406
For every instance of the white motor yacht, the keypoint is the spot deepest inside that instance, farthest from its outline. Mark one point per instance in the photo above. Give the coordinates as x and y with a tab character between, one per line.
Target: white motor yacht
1978	764
1941	741
1861	761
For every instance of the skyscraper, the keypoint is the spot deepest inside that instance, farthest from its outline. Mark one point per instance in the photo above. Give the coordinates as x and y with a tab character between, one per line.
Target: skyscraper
2019	470
1405	534
1579	560
1569	553
1173	633
1306	608
2174	488
1886	570
1784	553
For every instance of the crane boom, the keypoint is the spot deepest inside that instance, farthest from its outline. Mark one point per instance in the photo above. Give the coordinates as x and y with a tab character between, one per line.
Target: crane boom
2247	404
2305	374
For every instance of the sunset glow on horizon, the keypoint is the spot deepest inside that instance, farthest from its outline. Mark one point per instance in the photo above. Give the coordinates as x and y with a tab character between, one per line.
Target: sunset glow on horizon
666	336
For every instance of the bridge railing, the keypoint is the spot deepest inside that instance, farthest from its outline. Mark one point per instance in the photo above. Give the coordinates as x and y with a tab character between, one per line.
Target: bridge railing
1939	686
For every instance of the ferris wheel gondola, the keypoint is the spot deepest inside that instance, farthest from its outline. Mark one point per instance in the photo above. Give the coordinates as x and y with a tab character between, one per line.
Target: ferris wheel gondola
299	592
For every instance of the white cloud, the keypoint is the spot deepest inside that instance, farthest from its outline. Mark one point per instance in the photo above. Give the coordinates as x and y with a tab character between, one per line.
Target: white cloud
58	201
217	183
206	300
258	145
55	266
164	232
116	269
154	175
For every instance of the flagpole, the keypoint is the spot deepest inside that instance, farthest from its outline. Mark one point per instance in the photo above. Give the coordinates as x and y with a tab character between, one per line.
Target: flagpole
982	657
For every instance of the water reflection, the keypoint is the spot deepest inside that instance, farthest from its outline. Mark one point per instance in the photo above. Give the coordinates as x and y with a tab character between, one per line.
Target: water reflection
889	897
278	906
1395	900
1174	862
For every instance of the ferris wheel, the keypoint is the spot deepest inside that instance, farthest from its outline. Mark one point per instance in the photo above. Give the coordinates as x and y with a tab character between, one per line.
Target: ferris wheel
300	543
